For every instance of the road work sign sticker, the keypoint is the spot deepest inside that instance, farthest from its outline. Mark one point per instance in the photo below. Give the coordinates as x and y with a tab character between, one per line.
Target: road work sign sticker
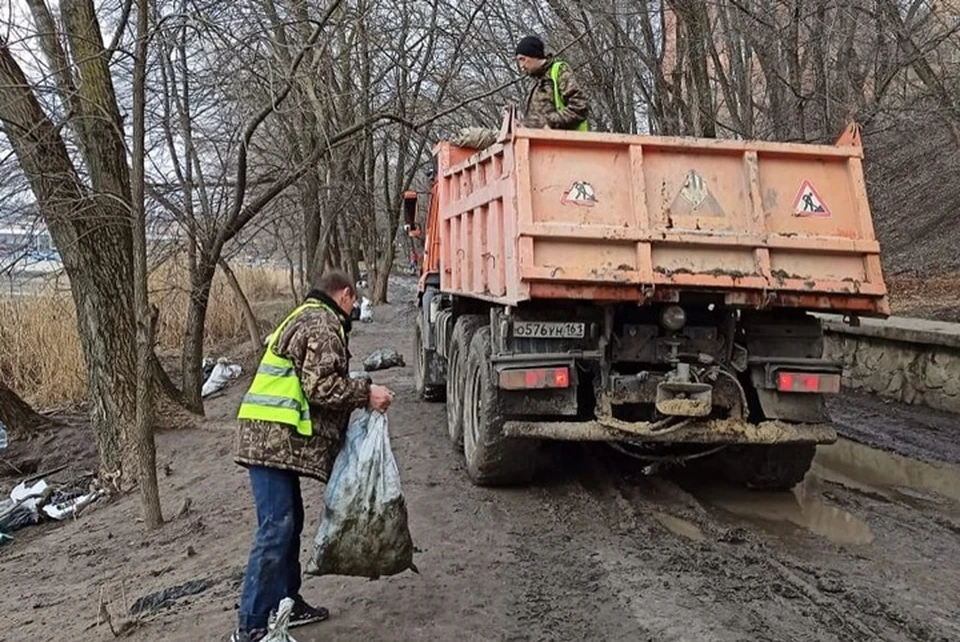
580	193
808	202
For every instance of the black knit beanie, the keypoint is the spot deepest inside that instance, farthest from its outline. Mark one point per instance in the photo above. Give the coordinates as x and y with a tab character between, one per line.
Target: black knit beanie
531	47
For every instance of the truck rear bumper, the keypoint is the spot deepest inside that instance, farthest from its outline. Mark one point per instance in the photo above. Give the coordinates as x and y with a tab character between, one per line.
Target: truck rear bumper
713	431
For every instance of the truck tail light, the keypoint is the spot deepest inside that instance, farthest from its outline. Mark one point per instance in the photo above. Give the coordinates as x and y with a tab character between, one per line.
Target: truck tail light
807	382
535	378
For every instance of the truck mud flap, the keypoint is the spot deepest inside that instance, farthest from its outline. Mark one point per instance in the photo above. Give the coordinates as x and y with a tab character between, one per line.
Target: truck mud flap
715	431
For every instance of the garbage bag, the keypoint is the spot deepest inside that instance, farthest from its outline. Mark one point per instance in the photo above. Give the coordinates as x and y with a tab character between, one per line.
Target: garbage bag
475	137
14	515
382	359
220	376
363	530
366	310
23	506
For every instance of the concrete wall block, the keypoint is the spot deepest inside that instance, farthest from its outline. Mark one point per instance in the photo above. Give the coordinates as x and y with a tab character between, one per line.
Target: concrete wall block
939	369
952	387
918	373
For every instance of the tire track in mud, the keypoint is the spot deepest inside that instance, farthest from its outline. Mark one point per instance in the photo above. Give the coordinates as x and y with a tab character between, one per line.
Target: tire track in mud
739	554
588	568
562	590
813	602
733	570
650	561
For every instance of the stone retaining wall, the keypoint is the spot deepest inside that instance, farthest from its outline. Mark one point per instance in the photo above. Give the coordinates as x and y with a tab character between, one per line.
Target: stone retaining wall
910	360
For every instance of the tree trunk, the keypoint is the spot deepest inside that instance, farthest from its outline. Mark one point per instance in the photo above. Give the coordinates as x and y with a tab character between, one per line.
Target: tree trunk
16	414
335	260
144	444
382	282
312	223
692	16
350	255
253	328
321	256
93	236
192	358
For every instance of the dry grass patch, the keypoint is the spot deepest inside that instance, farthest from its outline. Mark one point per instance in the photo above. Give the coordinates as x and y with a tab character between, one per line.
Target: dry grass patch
40	355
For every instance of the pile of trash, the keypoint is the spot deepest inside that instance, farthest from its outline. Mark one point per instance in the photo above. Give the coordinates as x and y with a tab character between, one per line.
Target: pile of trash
31	502
383	359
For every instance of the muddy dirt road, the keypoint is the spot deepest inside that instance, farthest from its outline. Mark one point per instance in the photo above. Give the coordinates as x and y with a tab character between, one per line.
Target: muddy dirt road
868	548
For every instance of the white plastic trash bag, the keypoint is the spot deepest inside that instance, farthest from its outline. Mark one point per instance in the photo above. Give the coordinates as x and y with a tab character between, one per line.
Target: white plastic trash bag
366	310
363	530
222	374
277	631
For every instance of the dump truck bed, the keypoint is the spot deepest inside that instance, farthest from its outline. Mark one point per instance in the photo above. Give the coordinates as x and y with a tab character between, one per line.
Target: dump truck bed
550	214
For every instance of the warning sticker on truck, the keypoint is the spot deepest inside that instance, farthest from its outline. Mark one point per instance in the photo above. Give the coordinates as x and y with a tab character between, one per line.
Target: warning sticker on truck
695	199
580	193
808	202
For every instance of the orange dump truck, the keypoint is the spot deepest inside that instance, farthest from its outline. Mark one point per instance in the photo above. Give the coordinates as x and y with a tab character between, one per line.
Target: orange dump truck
647	291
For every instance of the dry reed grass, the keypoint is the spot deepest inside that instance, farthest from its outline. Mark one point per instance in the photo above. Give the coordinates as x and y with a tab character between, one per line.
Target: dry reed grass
40	353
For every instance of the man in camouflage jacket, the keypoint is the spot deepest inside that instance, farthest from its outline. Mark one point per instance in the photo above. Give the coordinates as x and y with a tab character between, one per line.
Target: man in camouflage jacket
541	107
276	455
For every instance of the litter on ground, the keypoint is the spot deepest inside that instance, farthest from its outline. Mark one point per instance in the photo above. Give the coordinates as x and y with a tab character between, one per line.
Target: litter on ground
383	359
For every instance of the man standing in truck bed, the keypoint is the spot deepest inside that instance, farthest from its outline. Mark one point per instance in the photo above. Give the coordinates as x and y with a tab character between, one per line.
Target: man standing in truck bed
556	100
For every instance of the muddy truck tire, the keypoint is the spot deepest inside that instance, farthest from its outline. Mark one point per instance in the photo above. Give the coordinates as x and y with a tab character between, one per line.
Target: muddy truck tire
457	354
425	391
777	467
492	458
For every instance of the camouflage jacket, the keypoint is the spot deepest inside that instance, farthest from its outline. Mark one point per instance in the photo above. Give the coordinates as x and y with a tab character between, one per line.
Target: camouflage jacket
312	341
541	108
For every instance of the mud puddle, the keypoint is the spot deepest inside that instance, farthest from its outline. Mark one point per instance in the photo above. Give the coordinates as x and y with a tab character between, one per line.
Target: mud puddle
801	507
847	463
852	464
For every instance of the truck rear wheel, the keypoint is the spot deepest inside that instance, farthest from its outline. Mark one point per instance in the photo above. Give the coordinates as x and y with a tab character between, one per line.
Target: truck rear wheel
457	355
774	467
425	391
492	459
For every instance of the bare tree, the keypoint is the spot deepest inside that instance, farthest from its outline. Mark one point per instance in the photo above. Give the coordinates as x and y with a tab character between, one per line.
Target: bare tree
89	222
144	443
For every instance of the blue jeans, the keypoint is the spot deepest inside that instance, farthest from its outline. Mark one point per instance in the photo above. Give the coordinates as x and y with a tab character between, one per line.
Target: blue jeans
273	570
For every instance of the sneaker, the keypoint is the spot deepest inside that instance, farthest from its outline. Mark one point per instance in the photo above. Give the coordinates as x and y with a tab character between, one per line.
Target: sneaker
248	636
304	614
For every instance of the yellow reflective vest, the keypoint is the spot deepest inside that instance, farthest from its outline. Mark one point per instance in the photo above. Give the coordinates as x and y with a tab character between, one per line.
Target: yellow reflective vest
557	97
276	395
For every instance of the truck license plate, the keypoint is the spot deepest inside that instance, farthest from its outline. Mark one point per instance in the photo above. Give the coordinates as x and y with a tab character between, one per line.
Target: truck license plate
548	330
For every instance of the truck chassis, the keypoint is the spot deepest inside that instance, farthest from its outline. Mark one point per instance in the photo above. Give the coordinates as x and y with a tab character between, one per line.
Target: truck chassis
748	385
